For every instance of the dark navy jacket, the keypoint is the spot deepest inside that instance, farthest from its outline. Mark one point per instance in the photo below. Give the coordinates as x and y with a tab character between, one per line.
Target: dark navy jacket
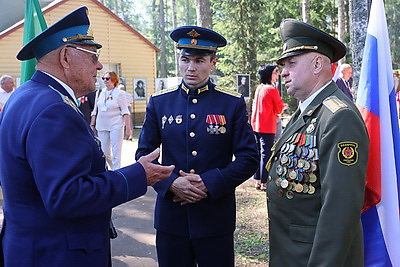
57	194
200	131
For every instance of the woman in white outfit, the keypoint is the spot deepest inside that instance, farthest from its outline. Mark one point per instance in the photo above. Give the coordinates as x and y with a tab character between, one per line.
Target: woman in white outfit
109	116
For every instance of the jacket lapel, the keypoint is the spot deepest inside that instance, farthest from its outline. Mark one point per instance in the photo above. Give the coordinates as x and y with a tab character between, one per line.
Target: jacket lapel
295	124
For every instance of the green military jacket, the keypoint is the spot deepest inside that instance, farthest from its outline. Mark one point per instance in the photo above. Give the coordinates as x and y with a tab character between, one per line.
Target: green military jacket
316	185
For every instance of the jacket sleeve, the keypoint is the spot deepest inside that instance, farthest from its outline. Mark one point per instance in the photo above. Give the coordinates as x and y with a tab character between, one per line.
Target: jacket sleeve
342	178
69	169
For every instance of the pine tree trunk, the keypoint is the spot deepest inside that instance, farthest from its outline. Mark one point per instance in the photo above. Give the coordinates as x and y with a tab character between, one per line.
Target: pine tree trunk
306	11
163	48
174	25
203	12
359	12
341	25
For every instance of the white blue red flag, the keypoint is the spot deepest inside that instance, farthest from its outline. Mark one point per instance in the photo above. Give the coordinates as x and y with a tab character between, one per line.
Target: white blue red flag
377	104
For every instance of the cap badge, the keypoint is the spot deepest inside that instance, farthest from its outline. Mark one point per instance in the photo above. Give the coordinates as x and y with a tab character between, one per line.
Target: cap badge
194	35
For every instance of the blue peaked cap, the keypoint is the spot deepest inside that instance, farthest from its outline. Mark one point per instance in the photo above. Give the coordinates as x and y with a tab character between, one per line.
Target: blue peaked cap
194	40
73	28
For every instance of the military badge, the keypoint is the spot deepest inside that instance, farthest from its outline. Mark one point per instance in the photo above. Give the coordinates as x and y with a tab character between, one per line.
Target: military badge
163	121
178	119
347	154
170	119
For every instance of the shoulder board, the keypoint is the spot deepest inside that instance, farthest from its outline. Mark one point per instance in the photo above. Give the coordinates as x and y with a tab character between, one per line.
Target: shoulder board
227	91
334	104
66	100
171	89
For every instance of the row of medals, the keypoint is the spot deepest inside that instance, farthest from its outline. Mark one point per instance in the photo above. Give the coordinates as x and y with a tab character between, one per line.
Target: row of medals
297	164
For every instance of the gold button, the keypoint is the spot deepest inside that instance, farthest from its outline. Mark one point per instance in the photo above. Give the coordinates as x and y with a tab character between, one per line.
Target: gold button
192	134
194	153
194	101
192	171
192	116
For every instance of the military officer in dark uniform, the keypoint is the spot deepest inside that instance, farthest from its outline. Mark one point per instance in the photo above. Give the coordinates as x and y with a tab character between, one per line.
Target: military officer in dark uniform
200	127
318	167
57	193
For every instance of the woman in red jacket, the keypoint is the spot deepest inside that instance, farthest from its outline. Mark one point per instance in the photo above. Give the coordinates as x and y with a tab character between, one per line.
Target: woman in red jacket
267	105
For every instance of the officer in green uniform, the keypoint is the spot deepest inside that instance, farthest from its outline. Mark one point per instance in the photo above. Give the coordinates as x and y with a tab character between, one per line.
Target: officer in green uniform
318	167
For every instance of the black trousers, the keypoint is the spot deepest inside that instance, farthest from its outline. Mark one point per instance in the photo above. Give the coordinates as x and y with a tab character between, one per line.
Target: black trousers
178	251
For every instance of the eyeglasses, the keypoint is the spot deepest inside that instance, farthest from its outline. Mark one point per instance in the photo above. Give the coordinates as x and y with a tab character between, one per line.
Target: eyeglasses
96	54
106	78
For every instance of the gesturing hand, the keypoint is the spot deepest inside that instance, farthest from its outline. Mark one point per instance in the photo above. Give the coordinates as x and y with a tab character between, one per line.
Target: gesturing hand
155	172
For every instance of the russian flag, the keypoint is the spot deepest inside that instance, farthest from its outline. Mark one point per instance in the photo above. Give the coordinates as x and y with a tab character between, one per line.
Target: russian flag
377	104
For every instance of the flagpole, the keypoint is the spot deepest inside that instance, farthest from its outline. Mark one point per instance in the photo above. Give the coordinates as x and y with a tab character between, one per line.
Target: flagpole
34	24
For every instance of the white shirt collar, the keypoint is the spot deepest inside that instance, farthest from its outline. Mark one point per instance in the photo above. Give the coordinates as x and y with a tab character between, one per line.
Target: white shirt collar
307	102
66	87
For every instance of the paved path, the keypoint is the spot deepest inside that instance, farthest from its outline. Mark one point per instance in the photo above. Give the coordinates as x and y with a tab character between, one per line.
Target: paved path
135	244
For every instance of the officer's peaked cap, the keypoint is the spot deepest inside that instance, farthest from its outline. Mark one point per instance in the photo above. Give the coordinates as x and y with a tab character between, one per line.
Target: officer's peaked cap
299	37
73	28
194	40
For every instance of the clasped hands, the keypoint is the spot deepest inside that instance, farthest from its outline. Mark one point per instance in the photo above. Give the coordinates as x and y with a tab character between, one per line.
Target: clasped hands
188	188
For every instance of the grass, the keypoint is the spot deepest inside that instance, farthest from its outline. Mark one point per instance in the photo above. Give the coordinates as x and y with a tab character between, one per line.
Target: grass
251	235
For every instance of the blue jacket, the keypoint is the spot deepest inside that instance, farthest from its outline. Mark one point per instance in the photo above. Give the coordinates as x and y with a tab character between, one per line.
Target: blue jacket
57	194
200	131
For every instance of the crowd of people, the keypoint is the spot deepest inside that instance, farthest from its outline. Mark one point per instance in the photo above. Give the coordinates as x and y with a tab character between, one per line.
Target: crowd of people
61	143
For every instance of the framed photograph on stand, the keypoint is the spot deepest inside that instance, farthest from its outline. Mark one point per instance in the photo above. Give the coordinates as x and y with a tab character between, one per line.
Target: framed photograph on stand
243	84
161	84
139	88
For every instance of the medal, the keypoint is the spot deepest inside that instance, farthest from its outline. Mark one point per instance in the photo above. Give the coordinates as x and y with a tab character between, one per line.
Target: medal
310	128
311	189
313	178
305	188
289	194
299	188
284	183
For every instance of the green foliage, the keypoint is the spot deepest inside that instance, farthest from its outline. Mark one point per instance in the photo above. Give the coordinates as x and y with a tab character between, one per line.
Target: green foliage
250	26
393	21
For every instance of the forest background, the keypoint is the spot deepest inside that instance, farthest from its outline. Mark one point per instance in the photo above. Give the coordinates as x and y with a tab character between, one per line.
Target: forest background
251	28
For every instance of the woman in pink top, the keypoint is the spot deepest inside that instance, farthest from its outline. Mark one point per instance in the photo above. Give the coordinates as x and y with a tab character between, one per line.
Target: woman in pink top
267	105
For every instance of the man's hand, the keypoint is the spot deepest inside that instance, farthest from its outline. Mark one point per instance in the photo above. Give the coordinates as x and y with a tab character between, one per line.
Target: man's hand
188	188
155	172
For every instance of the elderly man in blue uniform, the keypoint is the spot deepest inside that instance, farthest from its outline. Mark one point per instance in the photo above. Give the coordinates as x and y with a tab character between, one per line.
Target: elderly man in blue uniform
57	194
318	167
200	127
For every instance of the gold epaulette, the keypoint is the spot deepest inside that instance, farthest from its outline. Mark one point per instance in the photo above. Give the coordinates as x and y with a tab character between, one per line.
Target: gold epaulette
334	104
171	89
227	91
